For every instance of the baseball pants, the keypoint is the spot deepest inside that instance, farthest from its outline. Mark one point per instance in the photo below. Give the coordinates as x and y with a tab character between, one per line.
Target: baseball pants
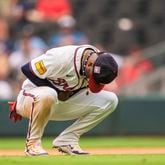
41	104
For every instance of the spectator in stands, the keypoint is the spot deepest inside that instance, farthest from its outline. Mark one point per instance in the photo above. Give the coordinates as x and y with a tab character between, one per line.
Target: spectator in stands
5	8
6	47
35	41
135	66
18	17
27	47
49	10
5	88
6	44
67	34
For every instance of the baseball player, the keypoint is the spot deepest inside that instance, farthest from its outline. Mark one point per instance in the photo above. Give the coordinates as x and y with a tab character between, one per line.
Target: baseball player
65	83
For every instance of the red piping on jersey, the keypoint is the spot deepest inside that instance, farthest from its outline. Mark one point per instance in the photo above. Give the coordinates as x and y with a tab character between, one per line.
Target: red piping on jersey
28	94
75	53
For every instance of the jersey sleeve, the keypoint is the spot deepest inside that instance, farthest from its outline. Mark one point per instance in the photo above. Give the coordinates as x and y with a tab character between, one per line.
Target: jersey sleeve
45	65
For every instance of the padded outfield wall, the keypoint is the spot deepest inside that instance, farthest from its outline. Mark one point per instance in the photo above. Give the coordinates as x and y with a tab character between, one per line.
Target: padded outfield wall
133	116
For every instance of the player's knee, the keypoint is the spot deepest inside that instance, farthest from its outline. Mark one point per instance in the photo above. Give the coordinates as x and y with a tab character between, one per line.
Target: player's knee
49	96
113	101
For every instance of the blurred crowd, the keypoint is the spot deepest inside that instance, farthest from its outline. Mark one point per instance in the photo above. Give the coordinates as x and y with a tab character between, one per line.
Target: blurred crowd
24	34
29	27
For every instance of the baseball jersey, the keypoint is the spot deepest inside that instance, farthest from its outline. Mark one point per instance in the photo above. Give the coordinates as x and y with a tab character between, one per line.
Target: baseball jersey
61	67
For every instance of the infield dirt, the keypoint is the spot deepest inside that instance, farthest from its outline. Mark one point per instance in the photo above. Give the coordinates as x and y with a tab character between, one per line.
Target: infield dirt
95	151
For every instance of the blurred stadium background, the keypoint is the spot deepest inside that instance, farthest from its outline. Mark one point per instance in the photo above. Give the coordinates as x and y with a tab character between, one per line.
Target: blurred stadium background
132	30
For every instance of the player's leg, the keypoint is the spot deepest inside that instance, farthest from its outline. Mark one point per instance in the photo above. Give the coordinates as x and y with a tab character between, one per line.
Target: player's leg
36	105
90	111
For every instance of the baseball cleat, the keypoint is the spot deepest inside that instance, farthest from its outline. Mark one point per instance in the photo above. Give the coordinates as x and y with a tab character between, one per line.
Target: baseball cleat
71	150
35	149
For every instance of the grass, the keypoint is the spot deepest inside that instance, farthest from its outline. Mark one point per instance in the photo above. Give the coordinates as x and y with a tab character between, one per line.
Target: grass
129	141
87	160
95	142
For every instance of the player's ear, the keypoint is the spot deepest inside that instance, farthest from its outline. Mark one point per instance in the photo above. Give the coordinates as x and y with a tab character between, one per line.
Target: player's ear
90	64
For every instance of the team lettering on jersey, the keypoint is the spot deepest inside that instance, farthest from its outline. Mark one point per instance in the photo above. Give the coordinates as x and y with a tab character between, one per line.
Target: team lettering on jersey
61	82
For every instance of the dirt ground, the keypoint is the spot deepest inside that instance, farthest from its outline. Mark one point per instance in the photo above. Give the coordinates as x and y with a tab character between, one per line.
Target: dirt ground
95	151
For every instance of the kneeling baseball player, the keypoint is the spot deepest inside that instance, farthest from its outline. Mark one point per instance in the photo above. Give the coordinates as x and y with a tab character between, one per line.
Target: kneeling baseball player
65	83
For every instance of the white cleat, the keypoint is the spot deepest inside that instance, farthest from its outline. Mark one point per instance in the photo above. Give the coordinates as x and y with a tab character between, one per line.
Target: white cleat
71	150
34	148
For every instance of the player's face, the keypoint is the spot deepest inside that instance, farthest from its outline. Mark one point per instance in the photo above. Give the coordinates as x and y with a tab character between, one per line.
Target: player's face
90	64
89	70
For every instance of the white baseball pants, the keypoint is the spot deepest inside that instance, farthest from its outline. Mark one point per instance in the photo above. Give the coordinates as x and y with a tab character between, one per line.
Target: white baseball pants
40	105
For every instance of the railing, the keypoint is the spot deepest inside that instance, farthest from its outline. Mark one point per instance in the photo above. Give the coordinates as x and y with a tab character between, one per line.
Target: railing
155	53
153	83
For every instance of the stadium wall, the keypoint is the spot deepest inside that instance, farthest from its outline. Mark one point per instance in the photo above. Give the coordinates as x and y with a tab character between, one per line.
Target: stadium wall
133	116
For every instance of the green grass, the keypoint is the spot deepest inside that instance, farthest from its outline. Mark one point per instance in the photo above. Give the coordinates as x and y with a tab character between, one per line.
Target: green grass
87	160
18	143
129	141
94	142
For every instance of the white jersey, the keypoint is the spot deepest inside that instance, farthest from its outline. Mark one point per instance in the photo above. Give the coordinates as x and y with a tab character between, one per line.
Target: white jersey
60	66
